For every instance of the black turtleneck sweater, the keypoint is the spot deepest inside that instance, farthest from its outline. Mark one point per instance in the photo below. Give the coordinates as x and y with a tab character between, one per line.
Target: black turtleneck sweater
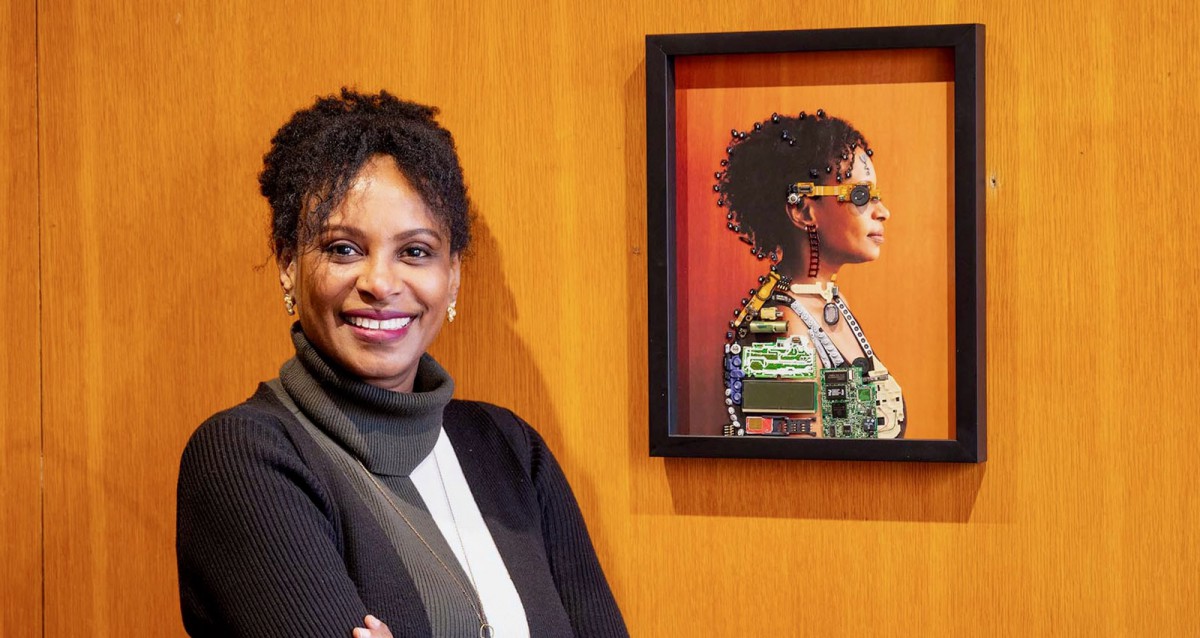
272	539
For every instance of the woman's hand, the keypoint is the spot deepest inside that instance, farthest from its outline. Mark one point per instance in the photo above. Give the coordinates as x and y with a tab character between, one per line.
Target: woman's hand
375	629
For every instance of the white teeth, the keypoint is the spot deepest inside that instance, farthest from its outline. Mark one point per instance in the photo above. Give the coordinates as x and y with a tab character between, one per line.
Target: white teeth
375	324
394	324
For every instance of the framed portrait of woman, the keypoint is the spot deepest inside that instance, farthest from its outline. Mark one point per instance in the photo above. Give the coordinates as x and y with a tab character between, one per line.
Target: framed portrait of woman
816	244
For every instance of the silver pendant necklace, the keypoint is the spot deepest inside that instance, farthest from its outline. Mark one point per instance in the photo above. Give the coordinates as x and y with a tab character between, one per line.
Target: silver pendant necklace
828	292
485	629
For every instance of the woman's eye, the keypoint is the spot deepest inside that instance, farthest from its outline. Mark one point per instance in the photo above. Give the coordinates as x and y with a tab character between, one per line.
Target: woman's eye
341	250
416	252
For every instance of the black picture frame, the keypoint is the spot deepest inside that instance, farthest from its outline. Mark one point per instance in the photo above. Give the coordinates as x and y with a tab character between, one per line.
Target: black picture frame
966	41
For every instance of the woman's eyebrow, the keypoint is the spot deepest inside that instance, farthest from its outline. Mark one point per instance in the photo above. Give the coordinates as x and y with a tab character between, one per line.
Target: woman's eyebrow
357	233
342	228
409	234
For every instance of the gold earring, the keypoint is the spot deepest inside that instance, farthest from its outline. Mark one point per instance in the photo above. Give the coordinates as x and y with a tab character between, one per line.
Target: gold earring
289	303
451	311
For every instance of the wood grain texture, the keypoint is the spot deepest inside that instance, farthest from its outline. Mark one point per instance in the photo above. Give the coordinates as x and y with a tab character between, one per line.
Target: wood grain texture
155	313
20	372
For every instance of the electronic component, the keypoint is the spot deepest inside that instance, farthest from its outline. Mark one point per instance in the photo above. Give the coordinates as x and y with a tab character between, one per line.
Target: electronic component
831	357
847	405
786	358
779	426
841	376
800	427
854	327
859	193
889	407
768	327
778	396
756	301
757	424
773	385
733	381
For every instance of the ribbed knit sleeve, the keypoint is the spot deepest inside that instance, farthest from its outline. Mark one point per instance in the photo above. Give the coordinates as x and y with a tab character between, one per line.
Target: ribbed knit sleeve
257	538
576	570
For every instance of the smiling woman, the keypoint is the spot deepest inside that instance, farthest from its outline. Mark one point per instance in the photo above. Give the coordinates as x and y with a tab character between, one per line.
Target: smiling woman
374	287
353	494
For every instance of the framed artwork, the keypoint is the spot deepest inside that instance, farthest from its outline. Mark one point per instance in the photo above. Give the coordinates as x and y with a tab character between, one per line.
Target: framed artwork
816	244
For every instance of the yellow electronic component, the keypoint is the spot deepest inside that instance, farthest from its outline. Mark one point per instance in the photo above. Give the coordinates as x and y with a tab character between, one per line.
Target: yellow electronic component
860	193
760	297
770	314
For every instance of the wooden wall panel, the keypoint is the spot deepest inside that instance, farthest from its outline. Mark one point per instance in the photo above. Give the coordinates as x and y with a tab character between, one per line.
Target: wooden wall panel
20	372
155	312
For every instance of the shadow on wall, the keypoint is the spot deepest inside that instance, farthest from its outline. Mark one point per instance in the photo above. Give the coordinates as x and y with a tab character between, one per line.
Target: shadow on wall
832	490
827	490
490	361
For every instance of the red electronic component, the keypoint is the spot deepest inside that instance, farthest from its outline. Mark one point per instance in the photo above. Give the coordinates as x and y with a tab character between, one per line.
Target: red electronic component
758	425
779	426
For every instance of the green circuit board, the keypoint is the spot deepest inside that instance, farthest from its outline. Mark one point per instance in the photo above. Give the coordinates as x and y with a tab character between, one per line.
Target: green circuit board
847	405
786	358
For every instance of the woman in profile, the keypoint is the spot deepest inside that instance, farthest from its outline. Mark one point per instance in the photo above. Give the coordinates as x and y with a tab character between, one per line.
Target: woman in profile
804	194
353	493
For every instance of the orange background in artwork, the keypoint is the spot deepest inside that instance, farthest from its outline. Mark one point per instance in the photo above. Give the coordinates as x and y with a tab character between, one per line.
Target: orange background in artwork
904	300
134	306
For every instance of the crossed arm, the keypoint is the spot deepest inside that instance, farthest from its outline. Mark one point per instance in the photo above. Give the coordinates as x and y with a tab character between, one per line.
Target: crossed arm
257	548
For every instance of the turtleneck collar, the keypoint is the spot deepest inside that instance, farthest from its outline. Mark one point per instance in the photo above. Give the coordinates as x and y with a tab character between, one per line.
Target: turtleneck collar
390	432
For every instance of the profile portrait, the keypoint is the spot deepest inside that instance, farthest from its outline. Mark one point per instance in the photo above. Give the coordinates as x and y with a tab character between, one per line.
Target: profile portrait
814	227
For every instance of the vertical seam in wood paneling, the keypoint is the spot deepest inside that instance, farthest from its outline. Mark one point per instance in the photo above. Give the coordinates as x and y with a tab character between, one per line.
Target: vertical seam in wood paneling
37	137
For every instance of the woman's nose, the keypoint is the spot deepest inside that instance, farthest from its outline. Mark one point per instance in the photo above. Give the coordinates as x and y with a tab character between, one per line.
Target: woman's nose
881	211
380	278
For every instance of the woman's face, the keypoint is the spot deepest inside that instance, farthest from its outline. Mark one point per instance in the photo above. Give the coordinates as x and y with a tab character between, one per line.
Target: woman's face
851	234
372	289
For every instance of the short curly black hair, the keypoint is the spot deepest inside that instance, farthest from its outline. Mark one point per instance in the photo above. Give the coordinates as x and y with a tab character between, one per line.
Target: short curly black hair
764	162
317	154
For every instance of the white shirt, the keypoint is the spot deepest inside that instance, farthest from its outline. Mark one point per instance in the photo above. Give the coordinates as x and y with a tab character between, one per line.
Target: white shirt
440	481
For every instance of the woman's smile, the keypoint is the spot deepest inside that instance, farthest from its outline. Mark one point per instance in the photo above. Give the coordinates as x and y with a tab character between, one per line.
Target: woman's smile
378	326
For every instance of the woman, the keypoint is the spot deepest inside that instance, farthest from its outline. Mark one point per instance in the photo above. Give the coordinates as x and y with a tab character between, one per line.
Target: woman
353	490
803	193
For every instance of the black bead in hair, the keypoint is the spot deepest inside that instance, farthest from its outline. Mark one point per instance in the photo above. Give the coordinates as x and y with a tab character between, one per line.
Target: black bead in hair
756	181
